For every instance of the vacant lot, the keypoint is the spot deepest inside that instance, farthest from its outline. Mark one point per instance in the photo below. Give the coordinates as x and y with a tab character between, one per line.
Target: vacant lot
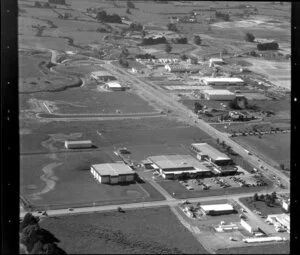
145	231
275	148
63	179
275	248
261	206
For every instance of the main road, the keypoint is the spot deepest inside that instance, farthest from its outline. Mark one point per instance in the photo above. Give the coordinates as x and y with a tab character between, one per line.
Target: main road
158	95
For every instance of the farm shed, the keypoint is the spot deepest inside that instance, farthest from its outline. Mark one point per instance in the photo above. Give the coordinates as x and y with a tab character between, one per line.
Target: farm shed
112	173
78	144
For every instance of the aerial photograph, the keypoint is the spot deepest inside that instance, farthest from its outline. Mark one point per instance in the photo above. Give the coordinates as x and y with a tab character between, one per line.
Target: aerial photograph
150	127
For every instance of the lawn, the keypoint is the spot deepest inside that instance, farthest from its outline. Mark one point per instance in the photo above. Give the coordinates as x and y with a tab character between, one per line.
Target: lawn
261	206
275	148
144	231
48	179
276	248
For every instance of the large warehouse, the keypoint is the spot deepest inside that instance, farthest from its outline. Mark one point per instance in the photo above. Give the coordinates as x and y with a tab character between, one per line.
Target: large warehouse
218	94
113	173
103	76
176	166
217	209
224	81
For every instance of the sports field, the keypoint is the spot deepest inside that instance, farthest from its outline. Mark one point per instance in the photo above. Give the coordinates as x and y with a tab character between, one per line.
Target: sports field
144	231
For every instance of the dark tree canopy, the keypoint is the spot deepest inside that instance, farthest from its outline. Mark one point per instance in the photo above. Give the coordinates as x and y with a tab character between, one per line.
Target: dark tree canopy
172	27
152	41
130	4
268	46
63	2
197	39
249	37
104	17
28	219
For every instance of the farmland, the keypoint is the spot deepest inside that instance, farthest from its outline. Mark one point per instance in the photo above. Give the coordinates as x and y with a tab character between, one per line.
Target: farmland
114	232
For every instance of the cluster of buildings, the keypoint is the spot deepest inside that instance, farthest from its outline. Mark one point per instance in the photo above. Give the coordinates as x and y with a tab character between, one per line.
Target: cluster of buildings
110	81
281	222
209	162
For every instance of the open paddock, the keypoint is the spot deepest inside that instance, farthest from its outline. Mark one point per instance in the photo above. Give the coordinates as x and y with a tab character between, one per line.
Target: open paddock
114	232
46	180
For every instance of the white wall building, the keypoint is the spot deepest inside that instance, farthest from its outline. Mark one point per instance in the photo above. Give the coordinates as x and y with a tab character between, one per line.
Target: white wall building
250	227
218	94
223	81
115	86
78	144
215	61
217	209
112	173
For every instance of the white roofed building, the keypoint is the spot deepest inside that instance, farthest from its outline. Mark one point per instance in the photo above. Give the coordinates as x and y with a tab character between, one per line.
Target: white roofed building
222	81
217	209
114	86
218	94
215	61
112	173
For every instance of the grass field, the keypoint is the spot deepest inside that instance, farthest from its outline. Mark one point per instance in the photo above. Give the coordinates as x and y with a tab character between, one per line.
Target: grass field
261	206
276	148
275	248
47	180
144	231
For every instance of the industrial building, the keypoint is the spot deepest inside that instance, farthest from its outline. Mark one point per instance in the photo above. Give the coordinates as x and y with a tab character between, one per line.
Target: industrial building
217	209
264	239
183	68
78	144
114	86
222	81
176	166
102	76
280	221
251	227
215	61
218	94
112	173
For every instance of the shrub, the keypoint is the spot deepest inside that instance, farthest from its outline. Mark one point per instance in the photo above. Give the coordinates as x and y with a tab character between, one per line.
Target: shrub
172	27
197	40
249	37
104	17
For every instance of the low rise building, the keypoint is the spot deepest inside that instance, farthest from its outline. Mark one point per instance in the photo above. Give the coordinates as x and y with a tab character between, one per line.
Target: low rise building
286	205
251	227
218	209
112	173
78	144
222	81
218	94
215	61
264	239
114	86
176	166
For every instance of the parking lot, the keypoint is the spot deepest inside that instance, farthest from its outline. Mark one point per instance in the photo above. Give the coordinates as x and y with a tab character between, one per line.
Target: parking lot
241	180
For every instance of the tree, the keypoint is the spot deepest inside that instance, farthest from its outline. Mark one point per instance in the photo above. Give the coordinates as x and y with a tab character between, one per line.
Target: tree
255	197
172	27
183	57
249	37
218	140
273	196
28	219
37	4
262	197
197	40
282	166
130	4
128	11
168	48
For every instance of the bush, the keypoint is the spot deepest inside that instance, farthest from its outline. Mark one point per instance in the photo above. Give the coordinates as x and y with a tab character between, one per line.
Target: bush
197	40
151	41
249	37
172	27
268	46
184	57
104	17
136	27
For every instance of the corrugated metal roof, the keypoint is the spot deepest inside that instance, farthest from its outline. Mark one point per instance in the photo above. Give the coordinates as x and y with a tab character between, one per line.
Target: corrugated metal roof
210	151
177	162
219	207
112	169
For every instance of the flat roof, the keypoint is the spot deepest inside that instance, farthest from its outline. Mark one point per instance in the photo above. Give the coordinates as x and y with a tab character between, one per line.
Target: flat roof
166	162
112	169
223	79
216	59
79	142
101	73
114	84
218	92
219	207
210	151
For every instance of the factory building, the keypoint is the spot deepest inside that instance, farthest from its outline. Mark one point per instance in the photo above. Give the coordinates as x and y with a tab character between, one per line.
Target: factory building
222	81
114	86
183	68
102	76
217	209
112	173
251	227
178	166
218	94
78	144
215	61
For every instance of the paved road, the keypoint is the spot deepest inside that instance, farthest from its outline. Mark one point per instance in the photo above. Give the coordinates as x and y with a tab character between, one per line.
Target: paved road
158	95
171	202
